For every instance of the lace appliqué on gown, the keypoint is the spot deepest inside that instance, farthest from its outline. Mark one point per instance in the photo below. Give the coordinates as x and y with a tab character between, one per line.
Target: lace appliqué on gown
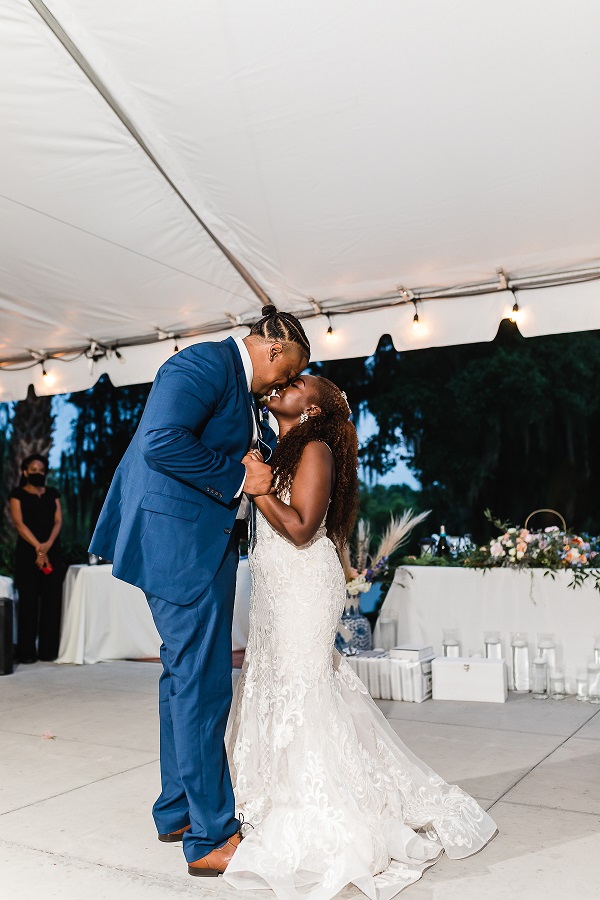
334	795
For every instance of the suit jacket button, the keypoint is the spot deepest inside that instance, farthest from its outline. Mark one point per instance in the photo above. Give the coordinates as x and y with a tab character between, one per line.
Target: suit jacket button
227	530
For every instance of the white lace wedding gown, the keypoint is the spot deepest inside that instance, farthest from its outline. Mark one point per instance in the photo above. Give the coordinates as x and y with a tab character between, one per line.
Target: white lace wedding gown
334	795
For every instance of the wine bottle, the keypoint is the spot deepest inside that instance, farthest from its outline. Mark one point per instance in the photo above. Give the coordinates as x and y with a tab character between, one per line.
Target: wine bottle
442	548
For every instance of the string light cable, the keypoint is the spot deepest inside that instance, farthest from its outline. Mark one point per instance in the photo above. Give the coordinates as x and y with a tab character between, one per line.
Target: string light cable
95	350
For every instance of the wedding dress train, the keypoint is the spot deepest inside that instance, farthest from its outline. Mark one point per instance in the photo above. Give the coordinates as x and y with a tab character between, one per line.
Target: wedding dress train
334	795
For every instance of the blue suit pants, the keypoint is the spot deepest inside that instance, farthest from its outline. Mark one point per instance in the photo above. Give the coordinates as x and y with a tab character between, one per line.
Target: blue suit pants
194	700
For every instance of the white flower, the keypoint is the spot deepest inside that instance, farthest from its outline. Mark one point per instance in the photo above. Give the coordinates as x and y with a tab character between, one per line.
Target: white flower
512	552
358	585
497	549
511	531
520	554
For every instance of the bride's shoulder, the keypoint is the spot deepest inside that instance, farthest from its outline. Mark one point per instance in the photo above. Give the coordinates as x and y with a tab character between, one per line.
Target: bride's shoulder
316	451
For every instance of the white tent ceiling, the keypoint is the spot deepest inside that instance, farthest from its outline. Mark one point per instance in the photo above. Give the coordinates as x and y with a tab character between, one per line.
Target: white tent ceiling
168	165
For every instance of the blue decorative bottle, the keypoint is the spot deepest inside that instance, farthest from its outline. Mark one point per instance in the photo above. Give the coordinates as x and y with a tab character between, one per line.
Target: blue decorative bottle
358	626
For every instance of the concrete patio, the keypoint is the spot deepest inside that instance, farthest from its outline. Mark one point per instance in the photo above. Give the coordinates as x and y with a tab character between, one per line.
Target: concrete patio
75	808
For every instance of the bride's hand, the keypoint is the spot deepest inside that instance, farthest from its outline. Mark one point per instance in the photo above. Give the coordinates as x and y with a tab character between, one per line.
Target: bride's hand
252	456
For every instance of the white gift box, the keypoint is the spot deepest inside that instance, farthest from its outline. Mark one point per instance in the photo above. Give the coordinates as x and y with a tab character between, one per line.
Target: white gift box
410	680
411	651
469	678
393	679
385	688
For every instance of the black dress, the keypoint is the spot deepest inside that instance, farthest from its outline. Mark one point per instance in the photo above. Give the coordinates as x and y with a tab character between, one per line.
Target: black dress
40	596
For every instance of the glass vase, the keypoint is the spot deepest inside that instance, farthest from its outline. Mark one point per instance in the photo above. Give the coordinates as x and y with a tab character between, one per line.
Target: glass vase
387	633
450	642
493	645
557	685
547	650
520	662
582	684
594	682
540	679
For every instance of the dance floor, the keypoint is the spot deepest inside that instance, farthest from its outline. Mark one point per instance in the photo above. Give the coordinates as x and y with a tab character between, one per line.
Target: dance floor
79	751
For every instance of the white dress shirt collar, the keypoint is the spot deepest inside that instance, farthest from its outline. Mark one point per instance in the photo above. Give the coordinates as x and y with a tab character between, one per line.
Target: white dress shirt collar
247	362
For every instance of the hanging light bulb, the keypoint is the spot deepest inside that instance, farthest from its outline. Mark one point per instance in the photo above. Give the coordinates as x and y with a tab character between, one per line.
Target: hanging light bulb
415	322
176	346
329	332
516	315
47	377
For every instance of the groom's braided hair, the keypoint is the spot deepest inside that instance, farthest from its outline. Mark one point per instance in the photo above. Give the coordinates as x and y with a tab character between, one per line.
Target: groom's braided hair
333	427
281	326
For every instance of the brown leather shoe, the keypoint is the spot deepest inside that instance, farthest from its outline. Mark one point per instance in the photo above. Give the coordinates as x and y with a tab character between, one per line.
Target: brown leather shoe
215	862
173	836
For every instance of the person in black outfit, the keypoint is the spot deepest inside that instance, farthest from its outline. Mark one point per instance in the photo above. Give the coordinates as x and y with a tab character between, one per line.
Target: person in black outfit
39	572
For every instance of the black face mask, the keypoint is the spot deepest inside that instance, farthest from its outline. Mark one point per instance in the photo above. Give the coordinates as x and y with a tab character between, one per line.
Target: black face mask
37	479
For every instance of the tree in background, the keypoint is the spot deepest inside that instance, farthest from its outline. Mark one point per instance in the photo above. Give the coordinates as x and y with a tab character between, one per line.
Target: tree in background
513	424
31	426
106	421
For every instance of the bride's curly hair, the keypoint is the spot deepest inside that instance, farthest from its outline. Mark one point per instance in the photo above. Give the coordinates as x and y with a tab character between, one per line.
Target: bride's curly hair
332	426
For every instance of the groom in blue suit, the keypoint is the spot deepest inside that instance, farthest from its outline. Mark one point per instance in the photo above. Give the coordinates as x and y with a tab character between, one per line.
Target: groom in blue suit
168	525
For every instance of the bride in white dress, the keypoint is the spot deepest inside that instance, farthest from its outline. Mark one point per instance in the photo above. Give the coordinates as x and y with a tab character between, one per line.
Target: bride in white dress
333	795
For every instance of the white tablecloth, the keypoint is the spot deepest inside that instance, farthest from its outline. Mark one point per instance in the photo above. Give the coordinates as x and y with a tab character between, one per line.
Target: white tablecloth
104	618
7	589
424	600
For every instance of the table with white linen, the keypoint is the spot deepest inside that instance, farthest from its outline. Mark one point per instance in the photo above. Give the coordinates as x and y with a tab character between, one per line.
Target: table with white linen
7	587
7	590
423	600
105	618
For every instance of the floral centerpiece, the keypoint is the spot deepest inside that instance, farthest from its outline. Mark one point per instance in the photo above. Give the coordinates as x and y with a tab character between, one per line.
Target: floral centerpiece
551	548
361	566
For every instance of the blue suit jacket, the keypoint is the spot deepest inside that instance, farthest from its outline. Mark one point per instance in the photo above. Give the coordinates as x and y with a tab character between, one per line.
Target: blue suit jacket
170	509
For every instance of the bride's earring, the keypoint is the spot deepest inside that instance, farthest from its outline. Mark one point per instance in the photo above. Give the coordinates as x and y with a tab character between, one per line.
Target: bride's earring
303	418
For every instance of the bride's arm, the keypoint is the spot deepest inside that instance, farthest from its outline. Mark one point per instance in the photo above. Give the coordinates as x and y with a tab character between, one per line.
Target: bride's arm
311	490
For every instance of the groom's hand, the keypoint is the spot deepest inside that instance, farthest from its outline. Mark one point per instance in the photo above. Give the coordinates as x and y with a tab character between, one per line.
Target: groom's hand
259	476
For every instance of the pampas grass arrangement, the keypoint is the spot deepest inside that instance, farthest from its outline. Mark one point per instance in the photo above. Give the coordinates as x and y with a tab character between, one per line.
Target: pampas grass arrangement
359	577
